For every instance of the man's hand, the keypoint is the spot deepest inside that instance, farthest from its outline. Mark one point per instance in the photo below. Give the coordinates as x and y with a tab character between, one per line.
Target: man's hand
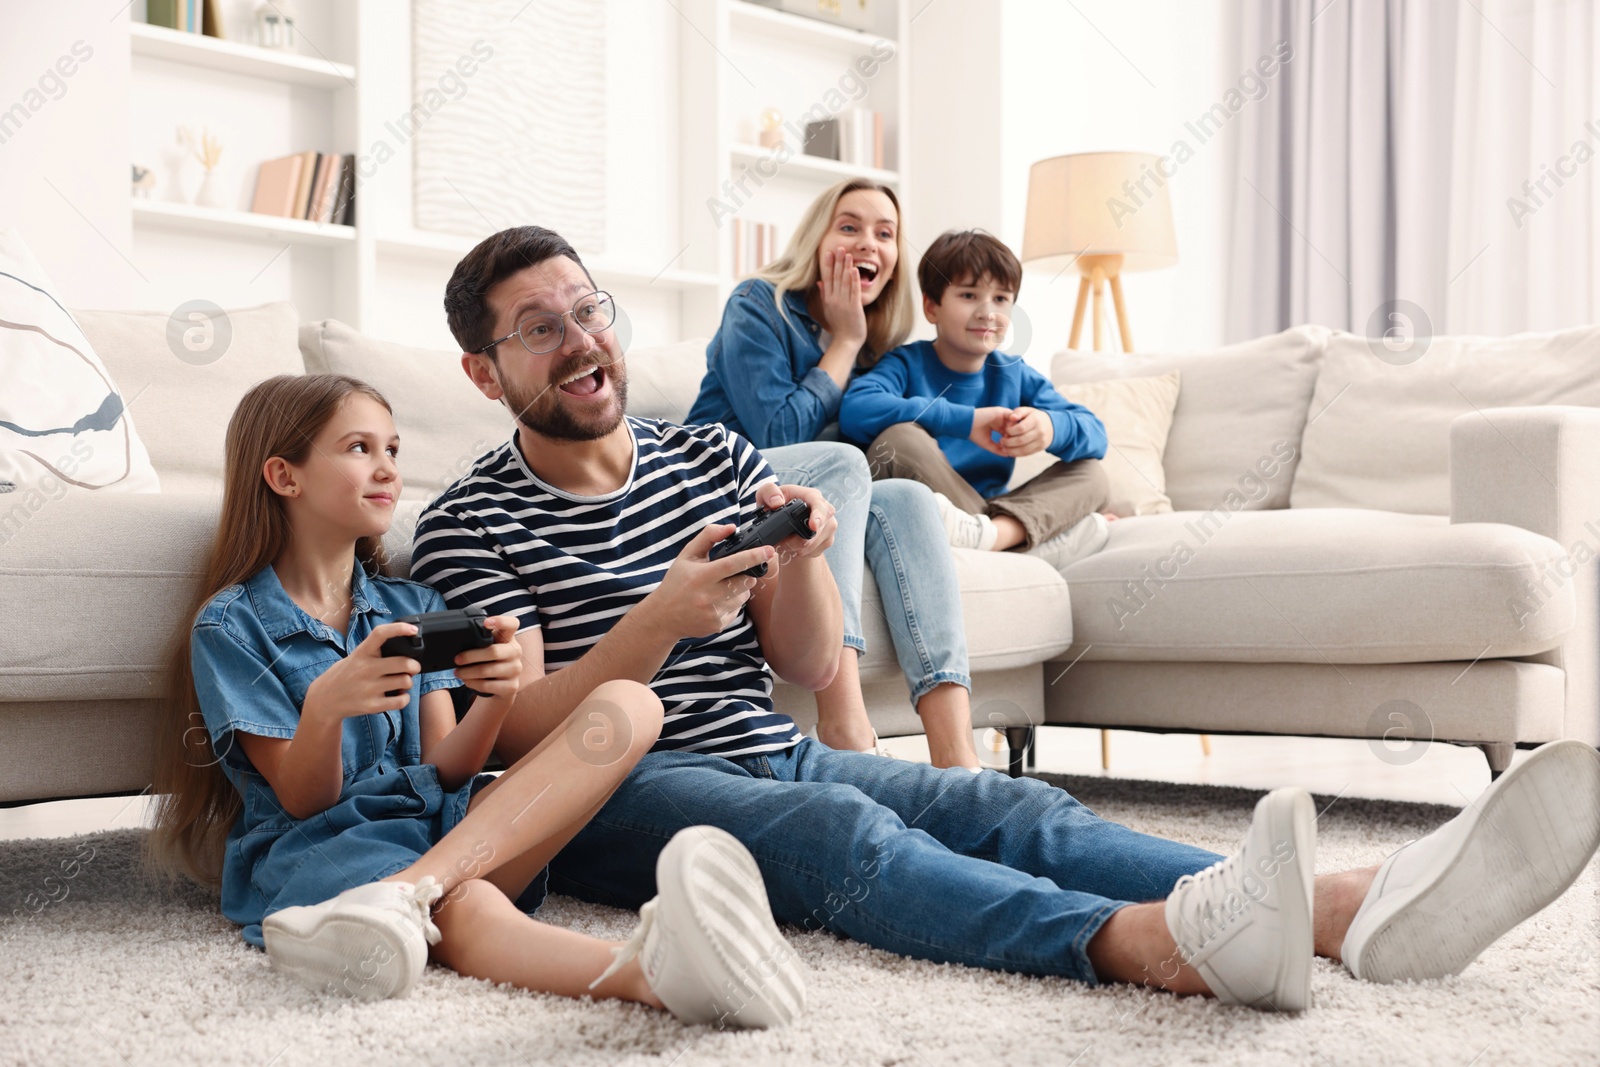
700	596
824	524
1027	430
985	423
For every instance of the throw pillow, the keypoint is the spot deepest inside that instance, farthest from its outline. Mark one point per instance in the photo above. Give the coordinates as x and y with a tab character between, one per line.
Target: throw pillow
1137	413
63	421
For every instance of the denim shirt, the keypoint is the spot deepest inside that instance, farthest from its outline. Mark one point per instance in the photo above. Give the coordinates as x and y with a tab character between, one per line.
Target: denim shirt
762	380
255	653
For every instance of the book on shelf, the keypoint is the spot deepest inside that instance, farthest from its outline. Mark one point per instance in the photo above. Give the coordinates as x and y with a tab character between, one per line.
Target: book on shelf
861	137
316	186
755	244
186	16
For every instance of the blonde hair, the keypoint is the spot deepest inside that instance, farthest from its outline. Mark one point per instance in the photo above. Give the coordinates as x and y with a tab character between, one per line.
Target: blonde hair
890	316
196	805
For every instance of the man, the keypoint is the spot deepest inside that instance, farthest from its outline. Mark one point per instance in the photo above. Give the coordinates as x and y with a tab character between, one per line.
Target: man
594	530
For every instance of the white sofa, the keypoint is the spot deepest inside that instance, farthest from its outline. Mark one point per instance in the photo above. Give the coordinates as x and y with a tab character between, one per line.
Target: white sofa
1392	614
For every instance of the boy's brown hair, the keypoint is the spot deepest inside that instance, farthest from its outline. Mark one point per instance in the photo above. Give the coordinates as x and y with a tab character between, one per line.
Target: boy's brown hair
965	257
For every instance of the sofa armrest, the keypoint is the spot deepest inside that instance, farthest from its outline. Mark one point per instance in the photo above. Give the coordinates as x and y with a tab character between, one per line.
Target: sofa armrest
1536	467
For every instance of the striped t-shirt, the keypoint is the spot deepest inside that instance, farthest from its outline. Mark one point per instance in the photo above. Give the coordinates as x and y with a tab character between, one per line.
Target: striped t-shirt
502	540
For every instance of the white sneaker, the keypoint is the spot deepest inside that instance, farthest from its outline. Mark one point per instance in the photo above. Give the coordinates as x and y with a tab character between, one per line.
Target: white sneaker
964	529
370	942
1442	899
707	943
1079	541
1245	922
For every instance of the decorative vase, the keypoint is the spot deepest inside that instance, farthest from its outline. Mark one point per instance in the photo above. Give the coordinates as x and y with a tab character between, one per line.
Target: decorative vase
210	193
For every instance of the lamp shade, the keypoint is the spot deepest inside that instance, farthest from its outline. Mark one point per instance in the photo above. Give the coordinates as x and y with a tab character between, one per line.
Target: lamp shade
1099	203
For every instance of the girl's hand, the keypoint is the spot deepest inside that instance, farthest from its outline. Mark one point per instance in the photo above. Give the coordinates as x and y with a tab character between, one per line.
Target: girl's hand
840	284
495	671
358	684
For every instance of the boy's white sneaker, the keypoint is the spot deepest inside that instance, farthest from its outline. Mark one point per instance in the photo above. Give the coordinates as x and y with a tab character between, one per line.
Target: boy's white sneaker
1245	922
707	943
1079	541
370	942
964	529
1442	899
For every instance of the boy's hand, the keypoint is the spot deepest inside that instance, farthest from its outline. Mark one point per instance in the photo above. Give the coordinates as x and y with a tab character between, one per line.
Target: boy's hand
357	684
824	524
840	286
985	423
494	671
1028	430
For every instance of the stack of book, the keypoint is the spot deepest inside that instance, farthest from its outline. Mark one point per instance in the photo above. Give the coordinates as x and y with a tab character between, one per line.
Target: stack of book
854	137
755	244
308	185
187	16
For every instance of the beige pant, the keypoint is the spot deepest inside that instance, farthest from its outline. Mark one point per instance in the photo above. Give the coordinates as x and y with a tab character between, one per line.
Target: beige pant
1057	498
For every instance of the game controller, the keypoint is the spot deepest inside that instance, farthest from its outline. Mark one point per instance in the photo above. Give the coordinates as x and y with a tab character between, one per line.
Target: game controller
441	636
768	528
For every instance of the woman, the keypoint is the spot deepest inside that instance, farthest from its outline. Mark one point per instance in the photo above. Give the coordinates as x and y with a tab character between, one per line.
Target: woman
791	338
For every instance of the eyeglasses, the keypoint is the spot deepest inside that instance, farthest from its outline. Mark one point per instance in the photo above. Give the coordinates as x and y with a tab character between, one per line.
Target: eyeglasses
544	332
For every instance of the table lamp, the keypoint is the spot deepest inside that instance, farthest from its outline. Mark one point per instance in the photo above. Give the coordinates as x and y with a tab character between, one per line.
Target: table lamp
1108	212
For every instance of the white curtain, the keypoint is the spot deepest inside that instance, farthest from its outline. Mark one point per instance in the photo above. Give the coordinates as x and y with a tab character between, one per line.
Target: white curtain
1525	174
1378	171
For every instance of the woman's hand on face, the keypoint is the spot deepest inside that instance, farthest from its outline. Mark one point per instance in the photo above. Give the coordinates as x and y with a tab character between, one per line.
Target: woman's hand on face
840	285
359	683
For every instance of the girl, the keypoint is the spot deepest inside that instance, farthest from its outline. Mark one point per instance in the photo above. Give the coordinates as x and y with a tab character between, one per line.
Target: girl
791	339
358	830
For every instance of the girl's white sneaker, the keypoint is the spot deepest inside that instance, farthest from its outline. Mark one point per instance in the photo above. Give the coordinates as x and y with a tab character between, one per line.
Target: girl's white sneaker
370	942
707	943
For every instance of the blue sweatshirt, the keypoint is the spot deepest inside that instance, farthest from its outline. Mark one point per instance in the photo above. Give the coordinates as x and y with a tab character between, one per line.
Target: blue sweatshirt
909	384
762	380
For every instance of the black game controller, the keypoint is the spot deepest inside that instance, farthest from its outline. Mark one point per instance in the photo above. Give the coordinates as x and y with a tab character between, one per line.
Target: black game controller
441	636
768	528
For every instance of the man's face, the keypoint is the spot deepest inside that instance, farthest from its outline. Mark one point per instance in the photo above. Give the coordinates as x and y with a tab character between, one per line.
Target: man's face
579	391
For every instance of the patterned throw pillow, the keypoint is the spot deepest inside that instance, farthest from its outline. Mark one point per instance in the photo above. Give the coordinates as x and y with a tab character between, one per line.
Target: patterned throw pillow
63	422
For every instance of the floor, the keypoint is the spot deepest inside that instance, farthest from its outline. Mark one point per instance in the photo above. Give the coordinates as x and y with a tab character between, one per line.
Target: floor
1439	774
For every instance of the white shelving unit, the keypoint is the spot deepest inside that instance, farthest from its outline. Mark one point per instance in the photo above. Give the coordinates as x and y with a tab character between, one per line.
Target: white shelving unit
736	59
215	54
242	224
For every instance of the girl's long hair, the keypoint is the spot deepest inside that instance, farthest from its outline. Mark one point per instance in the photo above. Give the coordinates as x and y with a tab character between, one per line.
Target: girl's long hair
890	317
195	804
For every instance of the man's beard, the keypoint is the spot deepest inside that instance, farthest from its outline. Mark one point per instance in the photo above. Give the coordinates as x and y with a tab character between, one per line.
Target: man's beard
545	414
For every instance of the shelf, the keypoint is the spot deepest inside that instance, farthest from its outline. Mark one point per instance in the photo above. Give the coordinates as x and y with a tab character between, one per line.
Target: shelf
802	165
213	53
243	224
793	29
449	248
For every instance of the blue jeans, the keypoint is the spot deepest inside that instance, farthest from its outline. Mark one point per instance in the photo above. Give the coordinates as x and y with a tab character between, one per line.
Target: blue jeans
980	869
894	527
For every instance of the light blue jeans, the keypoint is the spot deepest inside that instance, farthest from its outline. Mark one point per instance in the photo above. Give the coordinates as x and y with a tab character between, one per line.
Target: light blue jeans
893	526
1006	873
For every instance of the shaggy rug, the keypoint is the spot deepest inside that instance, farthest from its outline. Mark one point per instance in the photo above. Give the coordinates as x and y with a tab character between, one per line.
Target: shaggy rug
99	967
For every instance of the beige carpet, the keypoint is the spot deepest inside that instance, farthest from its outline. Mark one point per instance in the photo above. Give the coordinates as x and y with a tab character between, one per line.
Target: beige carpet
96	968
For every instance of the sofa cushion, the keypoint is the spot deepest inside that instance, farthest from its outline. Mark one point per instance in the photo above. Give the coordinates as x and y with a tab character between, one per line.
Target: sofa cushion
64	420
1237	425
1381	435
663	380
444	422
184	403
1317	586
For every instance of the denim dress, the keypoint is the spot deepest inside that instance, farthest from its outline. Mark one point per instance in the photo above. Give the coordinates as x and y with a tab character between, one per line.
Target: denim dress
255	654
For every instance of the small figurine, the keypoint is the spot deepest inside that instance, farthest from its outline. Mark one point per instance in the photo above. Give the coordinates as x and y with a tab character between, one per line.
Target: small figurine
144	182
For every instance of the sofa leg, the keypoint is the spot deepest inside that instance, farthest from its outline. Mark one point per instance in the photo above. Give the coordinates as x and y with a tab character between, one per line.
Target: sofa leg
1018	739
1499	756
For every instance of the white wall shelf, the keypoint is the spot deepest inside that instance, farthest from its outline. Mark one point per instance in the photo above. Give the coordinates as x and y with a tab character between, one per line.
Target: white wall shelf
829	170
796	29
239	224
198	50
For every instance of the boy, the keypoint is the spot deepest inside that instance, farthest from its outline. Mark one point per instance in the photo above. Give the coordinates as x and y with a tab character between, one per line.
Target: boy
954	414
